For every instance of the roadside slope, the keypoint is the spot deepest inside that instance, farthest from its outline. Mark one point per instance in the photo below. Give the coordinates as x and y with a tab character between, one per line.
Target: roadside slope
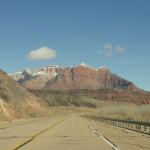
17	102
62	98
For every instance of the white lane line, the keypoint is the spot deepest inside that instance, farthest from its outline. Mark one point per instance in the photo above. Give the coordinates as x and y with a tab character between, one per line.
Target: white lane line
114	147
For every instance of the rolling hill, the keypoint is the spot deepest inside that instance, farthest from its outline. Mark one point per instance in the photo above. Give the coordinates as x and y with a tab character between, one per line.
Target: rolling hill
16	101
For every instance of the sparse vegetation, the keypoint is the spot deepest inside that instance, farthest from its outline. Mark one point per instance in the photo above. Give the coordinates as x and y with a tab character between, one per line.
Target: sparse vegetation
106	109
55	98
122	111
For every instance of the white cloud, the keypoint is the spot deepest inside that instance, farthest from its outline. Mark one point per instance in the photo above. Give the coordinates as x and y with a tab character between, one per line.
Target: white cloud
42	53
120	49
110	49
107	50
108	53
108	46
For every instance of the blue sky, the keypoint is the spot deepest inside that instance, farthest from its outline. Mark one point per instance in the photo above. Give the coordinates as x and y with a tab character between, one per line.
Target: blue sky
78	31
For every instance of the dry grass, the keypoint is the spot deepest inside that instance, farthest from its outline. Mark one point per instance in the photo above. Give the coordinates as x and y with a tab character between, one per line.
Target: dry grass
120	111
60	98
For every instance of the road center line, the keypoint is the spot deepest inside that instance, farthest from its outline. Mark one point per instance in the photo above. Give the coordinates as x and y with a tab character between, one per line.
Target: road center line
39	133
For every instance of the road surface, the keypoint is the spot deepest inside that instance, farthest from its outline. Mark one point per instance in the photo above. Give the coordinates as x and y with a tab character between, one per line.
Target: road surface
67	133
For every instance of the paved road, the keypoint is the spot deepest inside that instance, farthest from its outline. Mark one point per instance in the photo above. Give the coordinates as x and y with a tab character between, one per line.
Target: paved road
123	138
60	133
70	133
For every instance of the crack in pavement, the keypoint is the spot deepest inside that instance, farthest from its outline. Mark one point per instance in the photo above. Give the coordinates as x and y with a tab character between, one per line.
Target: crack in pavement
39	133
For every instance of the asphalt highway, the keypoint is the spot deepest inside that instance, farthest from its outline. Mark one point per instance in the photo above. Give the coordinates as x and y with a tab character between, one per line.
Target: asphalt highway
70	132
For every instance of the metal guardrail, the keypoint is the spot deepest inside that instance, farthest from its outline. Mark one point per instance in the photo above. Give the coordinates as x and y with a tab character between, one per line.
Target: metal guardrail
142	127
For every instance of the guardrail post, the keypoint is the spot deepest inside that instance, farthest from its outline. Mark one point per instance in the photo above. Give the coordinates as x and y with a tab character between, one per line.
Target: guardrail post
143	127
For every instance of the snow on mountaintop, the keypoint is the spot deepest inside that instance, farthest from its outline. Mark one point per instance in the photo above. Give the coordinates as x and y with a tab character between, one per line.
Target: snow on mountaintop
49	70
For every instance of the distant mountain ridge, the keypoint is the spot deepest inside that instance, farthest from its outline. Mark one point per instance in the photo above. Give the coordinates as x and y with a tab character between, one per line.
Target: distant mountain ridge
83	80
36	78
83	77
53	77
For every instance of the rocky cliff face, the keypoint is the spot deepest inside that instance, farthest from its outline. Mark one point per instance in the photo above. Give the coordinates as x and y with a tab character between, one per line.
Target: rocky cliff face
37	83
84	77
98	83
71	78
36	78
